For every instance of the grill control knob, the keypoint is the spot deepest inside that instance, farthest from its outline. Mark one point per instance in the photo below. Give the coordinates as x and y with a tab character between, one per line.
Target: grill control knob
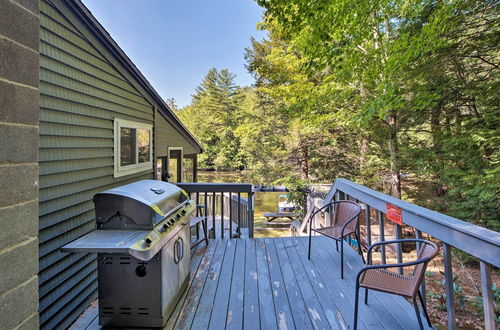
147	241
164	227
178	216
183	212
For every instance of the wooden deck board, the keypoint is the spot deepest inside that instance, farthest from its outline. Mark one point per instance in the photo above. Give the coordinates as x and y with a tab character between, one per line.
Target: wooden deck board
251	316
206	304
269	283
266	300
220	306
322	301
281	304
316	313
299	309
234	318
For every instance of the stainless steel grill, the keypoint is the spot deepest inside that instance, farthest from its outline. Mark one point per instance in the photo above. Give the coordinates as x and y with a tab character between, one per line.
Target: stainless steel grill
142	243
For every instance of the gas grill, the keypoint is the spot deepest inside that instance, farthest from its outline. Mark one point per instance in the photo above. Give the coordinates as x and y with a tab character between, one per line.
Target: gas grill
143	251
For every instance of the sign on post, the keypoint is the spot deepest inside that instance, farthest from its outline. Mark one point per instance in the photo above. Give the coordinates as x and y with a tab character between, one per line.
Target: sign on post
394	214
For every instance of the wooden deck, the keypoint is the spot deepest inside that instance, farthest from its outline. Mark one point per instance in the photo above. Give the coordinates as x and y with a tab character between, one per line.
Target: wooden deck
268	283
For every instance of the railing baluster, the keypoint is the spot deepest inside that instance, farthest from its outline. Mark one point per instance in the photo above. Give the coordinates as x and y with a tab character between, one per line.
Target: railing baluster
197	214
368	224
418	234
239	214
213	214
399	252
250	214
448	283
358	229
230	201
222	214
206	210
380	217
488	307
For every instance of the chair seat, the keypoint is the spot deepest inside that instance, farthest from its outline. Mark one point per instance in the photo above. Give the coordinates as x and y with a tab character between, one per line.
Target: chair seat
387	281
333	231
196	220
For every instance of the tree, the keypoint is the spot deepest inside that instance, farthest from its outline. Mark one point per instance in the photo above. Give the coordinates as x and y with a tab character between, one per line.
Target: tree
413	82
213	117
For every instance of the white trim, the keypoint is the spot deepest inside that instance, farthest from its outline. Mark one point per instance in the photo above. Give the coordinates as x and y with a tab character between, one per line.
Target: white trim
181	162
120	170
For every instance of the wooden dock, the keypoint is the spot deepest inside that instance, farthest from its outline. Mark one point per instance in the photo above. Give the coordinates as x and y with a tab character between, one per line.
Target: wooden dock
268	283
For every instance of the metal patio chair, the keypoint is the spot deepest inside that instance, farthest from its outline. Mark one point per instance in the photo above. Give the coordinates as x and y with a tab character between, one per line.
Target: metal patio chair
195	223
377	277
345	222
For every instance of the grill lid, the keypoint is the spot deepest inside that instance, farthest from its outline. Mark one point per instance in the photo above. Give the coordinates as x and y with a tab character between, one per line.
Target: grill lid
160	196
138	205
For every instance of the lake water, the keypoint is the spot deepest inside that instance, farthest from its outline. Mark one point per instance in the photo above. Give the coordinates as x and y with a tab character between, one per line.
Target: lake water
264	201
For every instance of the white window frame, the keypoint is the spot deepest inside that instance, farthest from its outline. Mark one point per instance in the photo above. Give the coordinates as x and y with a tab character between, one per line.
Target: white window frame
120	170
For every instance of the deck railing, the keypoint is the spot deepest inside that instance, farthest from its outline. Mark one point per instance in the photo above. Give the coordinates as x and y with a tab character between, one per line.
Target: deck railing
228	206
479	242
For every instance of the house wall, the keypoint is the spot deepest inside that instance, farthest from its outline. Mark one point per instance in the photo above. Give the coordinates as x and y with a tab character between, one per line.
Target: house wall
18	164
167	136
81	90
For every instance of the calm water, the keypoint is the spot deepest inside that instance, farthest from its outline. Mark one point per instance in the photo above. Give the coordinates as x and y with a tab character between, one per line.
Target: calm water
264	201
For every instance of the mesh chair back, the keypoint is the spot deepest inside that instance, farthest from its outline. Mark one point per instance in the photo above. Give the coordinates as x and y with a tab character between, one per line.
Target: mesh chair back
345	211
427	250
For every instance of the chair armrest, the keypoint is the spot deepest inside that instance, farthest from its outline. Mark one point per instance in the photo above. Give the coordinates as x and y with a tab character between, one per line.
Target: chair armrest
368	254
384	266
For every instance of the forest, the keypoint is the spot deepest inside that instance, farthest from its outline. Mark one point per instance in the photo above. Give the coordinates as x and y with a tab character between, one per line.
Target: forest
401	96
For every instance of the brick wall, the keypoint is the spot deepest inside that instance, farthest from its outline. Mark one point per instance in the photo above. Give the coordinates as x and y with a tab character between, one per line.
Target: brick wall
19	112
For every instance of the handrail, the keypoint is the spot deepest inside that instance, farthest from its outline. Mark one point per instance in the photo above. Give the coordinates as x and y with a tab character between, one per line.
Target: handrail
479	242
225	206
216	187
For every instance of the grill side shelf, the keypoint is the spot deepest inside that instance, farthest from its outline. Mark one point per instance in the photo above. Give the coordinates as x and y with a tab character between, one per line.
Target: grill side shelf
106	241
141	244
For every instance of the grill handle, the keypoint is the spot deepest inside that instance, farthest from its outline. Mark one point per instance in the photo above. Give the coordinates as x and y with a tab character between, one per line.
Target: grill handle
178	250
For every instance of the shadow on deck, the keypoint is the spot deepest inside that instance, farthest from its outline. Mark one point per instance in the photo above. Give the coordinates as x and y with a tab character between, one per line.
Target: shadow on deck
269	283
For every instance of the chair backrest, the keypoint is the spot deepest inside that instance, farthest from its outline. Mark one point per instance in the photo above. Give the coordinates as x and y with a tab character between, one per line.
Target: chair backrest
345	211
429	250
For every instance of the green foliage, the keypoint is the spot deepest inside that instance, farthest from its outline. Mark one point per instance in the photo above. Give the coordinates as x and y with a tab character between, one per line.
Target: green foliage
372	91
213	117
496	300
391	87
458	295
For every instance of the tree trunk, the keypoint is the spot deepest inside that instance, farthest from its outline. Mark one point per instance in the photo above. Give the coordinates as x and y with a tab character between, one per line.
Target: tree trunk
305	163
363	149
395	190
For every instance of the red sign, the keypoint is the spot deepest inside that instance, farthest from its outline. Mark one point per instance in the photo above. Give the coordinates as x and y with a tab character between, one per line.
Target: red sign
394	214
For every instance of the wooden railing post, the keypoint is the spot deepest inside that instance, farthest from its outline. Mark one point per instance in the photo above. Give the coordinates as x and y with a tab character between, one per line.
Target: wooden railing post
448	283
399	252
250	214
418	234
380	217
488	306
368	224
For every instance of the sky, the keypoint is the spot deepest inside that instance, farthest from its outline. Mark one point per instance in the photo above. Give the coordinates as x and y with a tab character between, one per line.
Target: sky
175	43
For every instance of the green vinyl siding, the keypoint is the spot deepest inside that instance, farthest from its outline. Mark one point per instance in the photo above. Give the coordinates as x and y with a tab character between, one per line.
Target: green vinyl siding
81	91
167	136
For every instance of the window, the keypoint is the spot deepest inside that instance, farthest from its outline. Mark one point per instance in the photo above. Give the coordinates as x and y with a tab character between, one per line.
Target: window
133	147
